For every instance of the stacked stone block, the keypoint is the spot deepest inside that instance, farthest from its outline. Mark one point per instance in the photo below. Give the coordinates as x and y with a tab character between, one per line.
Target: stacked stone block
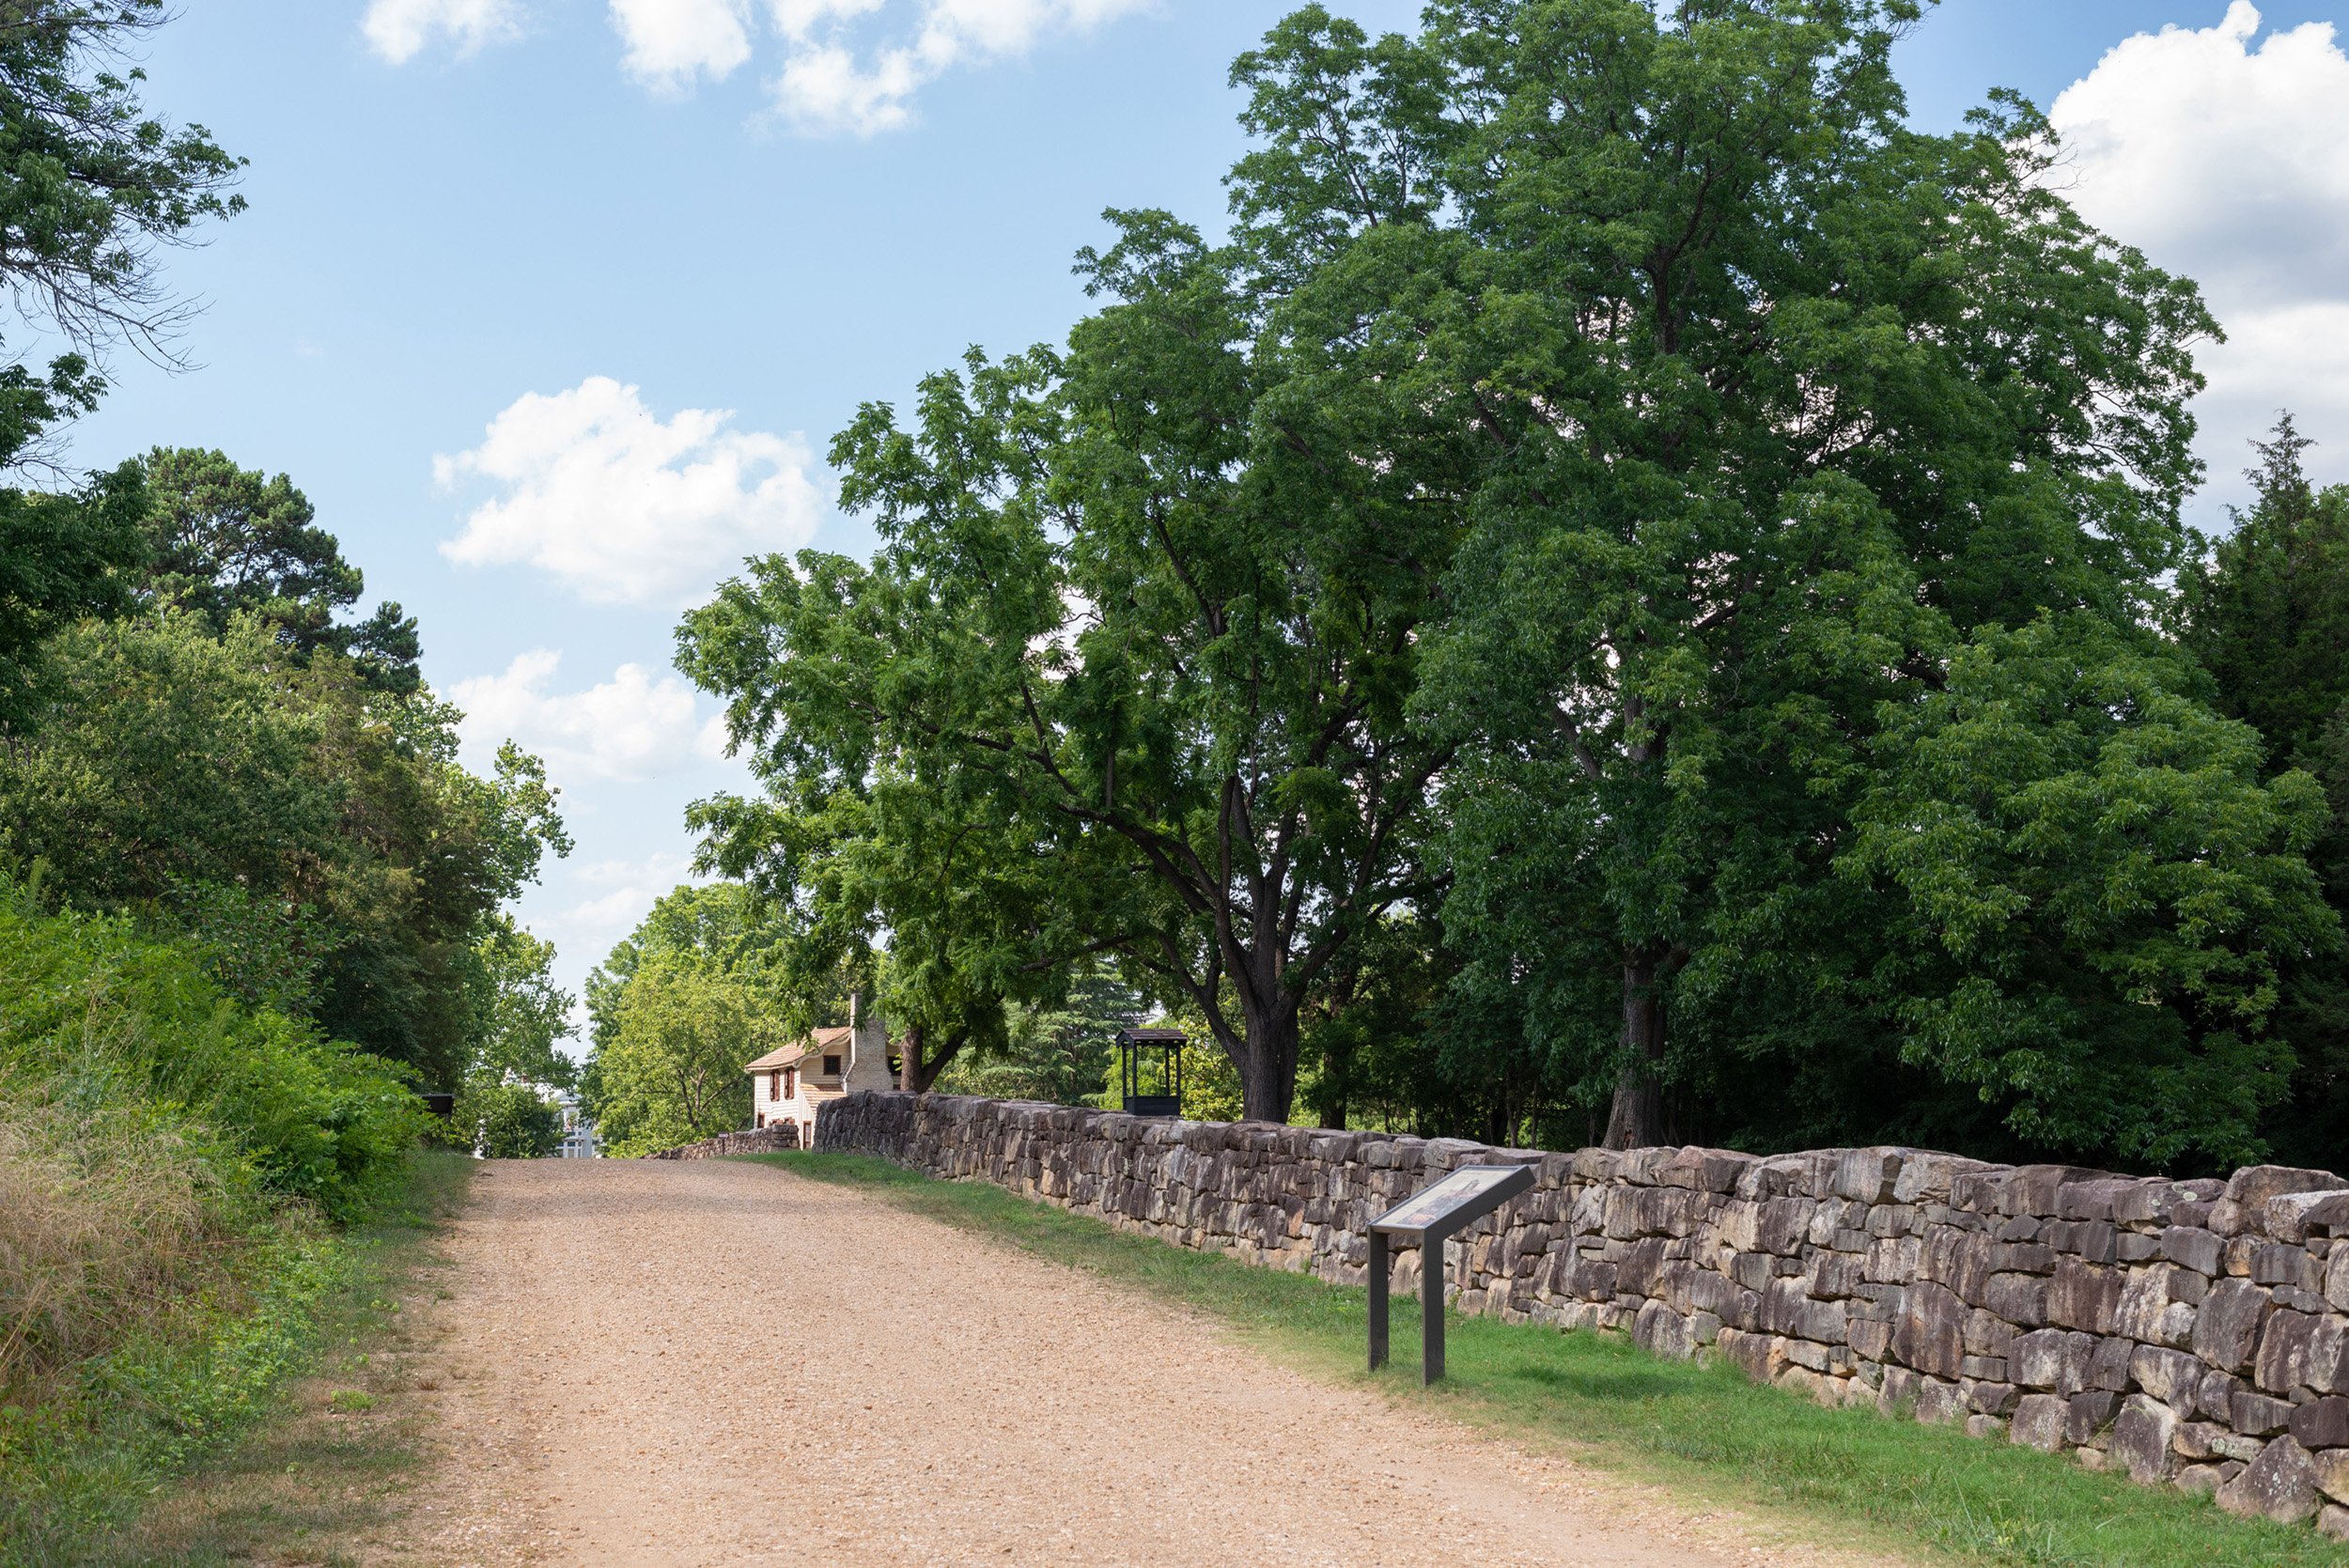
2188	1332
766	1140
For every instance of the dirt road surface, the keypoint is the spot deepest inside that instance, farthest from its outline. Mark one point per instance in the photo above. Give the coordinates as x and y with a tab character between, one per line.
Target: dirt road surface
707	1362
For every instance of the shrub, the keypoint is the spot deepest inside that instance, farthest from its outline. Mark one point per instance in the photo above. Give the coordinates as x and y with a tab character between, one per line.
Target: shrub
511	1121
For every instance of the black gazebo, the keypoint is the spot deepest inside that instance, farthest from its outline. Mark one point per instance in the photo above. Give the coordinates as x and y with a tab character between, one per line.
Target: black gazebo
1139	1051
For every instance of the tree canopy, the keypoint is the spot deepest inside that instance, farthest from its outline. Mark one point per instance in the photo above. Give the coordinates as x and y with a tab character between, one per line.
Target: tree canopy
1631	569
223	541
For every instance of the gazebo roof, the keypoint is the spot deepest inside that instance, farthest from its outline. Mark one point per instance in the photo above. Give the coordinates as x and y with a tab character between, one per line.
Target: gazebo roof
1152	1037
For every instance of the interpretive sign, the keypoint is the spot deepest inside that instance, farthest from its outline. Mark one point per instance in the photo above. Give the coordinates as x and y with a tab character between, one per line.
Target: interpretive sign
1427	1216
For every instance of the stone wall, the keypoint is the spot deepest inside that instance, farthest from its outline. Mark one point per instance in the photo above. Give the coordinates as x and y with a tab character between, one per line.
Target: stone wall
2191	1332
766	1140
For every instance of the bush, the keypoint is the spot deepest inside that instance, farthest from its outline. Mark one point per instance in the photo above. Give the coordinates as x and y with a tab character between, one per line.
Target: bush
511	1121
105	1025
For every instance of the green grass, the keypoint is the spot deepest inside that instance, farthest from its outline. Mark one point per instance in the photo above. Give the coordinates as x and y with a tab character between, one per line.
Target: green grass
1847	1476
264	1441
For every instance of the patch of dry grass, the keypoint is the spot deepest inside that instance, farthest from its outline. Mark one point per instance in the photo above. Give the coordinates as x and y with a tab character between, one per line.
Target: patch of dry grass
315	1447
108	1229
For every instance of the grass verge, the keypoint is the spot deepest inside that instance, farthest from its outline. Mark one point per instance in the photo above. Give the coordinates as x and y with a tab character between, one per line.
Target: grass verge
1848	1476
276	1436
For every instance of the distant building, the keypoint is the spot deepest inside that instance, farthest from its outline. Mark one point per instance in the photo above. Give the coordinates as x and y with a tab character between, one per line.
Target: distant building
578	1134
791	1082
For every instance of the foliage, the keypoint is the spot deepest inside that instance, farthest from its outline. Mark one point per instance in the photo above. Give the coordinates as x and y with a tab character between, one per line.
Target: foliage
224	541
670	1071
2099	888
519	1012
2266	610
94	182
99	1021
168	758
510	1120
1064	1054
721	924
62	558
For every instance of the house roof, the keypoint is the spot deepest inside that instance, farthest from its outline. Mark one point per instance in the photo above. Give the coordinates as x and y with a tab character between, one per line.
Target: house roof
818	1041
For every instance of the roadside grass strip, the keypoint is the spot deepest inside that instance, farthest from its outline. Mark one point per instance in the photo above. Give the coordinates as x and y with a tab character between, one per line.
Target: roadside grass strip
277	1441
1851	1478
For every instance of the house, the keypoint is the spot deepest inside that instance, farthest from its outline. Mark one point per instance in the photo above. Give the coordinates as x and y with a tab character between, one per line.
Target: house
789	1082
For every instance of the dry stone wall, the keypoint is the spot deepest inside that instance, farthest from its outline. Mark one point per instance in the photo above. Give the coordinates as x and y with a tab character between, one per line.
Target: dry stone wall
766	1140
2188	1332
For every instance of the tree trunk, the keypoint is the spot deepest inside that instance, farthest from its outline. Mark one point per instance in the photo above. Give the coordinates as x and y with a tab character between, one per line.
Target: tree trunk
916	1072
1267	1070
1637	1119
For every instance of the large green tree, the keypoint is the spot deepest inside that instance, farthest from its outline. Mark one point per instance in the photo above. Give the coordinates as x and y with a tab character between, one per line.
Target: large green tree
670	1070
1776	402
223	541
2266	608
1144	625
91	185
320	827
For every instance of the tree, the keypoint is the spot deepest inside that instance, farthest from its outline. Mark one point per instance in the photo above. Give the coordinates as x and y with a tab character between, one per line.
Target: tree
725	926
510	1120
62	558
2100	893
94	183
224	541
1142	622
2265	608
91	185
168	761
1064	1054
927	862
1770	401
519	1012
672	1071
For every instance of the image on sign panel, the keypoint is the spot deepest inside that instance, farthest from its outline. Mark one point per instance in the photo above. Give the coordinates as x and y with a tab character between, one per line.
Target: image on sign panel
1422	1210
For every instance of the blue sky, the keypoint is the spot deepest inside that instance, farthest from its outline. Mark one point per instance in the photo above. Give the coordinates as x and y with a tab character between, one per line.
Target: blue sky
665	247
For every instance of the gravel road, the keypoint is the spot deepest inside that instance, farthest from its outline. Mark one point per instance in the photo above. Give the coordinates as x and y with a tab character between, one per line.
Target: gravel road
707	1362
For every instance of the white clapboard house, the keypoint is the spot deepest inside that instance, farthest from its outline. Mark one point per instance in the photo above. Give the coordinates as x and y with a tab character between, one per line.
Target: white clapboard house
789	1082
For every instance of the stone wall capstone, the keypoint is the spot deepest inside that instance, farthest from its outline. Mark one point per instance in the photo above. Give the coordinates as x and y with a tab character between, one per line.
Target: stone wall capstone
2192	1332
766	1140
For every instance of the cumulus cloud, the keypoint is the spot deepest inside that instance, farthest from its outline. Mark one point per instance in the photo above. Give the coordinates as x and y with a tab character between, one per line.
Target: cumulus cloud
399	30
623	506
633	726
825	88
670	43
2217	152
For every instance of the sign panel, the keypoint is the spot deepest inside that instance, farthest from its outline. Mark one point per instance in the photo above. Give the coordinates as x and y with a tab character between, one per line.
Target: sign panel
1432	1206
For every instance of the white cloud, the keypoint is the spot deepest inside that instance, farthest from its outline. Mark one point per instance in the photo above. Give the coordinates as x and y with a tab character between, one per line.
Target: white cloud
672	42
2223	160
622	506
631	888
823	89
633	726
399	30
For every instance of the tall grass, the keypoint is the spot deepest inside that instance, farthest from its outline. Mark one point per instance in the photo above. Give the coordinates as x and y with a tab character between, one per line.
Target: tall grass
174	1165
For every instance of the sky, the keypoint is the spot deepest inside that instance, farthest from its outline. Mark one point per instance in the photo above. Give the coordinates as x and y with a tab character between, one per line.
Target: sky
553	307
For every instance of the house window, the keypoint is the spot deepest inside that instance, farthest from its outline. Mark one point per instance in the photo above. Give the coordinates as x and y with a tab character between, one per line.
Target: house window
791	1082
832	1067
762	1118
774	1083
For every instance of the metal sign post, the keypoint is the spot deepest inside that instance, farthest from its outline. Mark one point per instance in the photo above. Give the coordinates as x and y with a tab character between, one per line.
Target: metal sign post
1429	1216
